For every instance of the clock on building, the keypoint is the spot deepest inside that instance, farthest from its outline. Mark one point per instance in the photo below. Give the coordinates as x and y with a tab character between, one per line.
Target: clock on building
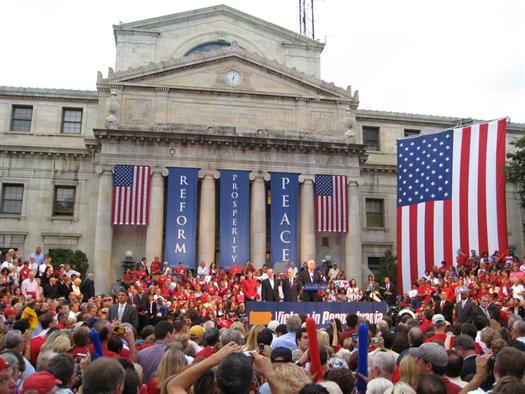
233	78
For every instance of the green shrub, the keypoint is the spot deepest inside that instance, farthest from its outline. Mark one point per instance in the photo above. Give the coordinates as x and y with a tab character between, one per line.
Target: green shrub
77	259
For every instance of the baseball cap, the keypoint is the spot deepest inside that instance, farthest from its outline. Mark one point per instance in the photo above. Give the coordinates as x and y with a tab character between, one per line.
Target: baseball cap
41	382
430	352
438	318
3	364
272	325
196	331
281	354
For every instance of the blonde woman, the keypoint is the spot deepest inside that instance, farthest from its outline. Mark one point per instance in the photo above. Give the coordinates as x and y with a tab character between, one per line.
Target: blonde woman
251	341
171	364
408	370
291	377
58	341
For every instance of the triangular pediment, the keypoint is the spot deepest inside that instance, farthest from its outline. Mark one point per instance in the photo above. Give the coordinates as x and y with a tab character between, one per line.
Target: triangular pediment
230	69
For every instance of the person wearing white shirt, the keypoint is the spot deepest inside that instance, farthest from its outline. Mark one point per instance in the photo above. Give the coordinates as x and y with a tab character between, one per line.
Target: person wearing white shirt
202	270
30	286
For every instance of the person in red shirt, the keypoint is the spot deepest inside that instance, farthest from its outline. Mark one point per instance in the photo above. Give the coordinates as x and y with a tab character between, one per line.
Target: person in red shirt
180	269
48	326
24	271
249	287
439	326
427	323
351	327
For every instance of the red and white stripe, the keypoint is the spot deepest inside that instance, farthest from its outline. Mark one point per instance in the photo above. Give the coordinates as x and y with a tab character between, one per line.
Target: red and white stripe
475	216
131	204
332	211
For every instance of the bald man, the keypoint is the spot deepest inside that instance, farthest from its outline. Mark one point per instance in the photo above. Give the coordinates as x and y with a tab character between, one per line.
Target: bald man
308	276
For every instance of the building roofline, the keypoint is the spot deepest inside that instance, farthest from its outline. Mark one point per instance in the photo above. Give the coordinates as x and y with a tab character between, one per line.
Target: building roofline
446	121
145	25
45	92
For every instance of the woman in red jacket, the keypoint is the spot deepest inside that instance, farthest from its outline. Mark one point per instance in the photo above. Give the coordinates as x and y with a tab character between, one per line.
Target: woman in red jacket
249	287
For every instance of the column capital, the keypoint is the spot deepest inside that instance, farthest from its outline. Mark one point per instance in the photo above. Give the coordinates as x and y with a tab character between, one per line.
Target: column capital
104	170
259	175
208	173
303	178
161	170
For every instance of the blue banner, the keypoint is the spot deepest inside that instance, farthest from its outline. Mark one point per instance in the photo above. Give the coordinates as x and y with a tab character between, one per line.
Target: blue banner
181	217
322	312
234	218
284	229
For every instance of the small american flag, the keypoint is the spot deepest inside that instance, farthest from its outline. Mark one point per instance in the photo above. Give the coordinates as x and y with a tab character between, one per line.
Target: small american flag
131	194
331	203
450	195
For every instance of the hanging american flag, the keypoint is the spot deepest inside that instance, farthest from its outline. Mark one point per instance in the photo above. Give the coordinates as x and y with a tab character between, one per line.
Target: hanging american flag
331	203
450	195
131	194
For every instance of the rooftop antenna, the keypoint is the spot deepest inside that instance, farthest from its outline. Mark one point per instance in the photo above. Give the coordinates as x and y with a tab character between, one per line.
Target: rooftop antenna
306	18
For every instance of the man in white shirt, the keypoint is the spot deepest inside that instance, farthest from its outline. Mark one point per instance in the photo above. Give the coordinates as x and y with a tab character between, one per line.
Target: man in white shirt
30	286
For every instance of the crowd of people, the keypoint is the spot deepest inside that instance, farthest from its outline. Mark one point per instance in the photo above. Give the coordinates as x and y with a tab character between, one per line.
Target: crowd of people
173	330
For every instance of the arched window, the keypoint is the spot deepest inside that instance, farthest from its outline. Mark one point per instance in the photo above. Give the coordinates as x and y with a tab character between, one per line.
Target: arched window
209	46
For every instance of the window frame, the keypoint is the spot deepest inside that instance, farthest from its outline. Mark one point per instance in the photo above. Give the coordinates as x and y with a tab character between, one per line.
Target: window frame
12	184
56	213
368	146
367	213
72	109
14	107
411	132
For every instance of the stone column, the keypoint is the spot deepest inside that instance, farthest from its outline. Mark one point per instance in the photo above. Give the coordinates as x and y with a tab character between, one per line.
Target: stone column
104	231
207	216
353	246
307	224
258	218
156	214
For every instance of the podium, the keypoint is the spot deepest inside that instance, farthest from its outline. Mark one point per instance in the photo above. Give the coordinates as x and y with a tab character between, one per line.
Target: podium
320	286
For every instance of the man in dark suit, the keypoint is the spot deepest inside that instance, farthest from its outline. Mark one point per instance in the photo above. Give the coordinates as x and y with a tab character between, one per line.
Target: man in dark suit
389	292
306	277
270	287
483	310
142	303
465	346
516	308
123	312
291	286
464	309
444	307
87	288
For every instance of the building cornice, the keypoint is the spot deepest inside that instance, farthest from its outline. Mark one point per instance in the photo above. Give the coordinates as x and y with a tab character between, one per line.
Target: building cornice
229	136
44	152
379	168
39	94
442	122
197	60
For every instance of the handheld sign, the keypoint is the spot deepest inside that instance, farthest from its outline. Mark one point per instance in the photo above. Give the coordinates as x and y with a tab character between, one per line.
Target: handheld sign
362	366
313	349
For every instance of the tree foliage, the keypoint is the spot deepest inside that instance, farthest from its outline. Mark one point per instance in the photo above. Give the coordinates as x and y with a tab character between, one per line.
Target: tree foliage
516	168
77	259
387	267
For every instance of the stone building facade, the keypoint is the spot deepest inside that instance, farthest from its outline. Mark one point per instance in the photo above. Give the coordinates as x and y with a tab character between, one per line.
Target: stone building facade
211	89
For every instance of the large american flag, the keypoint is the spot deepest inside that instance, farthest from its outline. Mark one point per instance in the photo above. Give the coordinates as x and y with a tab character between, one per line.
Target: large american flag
331	203
450	195
131	194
